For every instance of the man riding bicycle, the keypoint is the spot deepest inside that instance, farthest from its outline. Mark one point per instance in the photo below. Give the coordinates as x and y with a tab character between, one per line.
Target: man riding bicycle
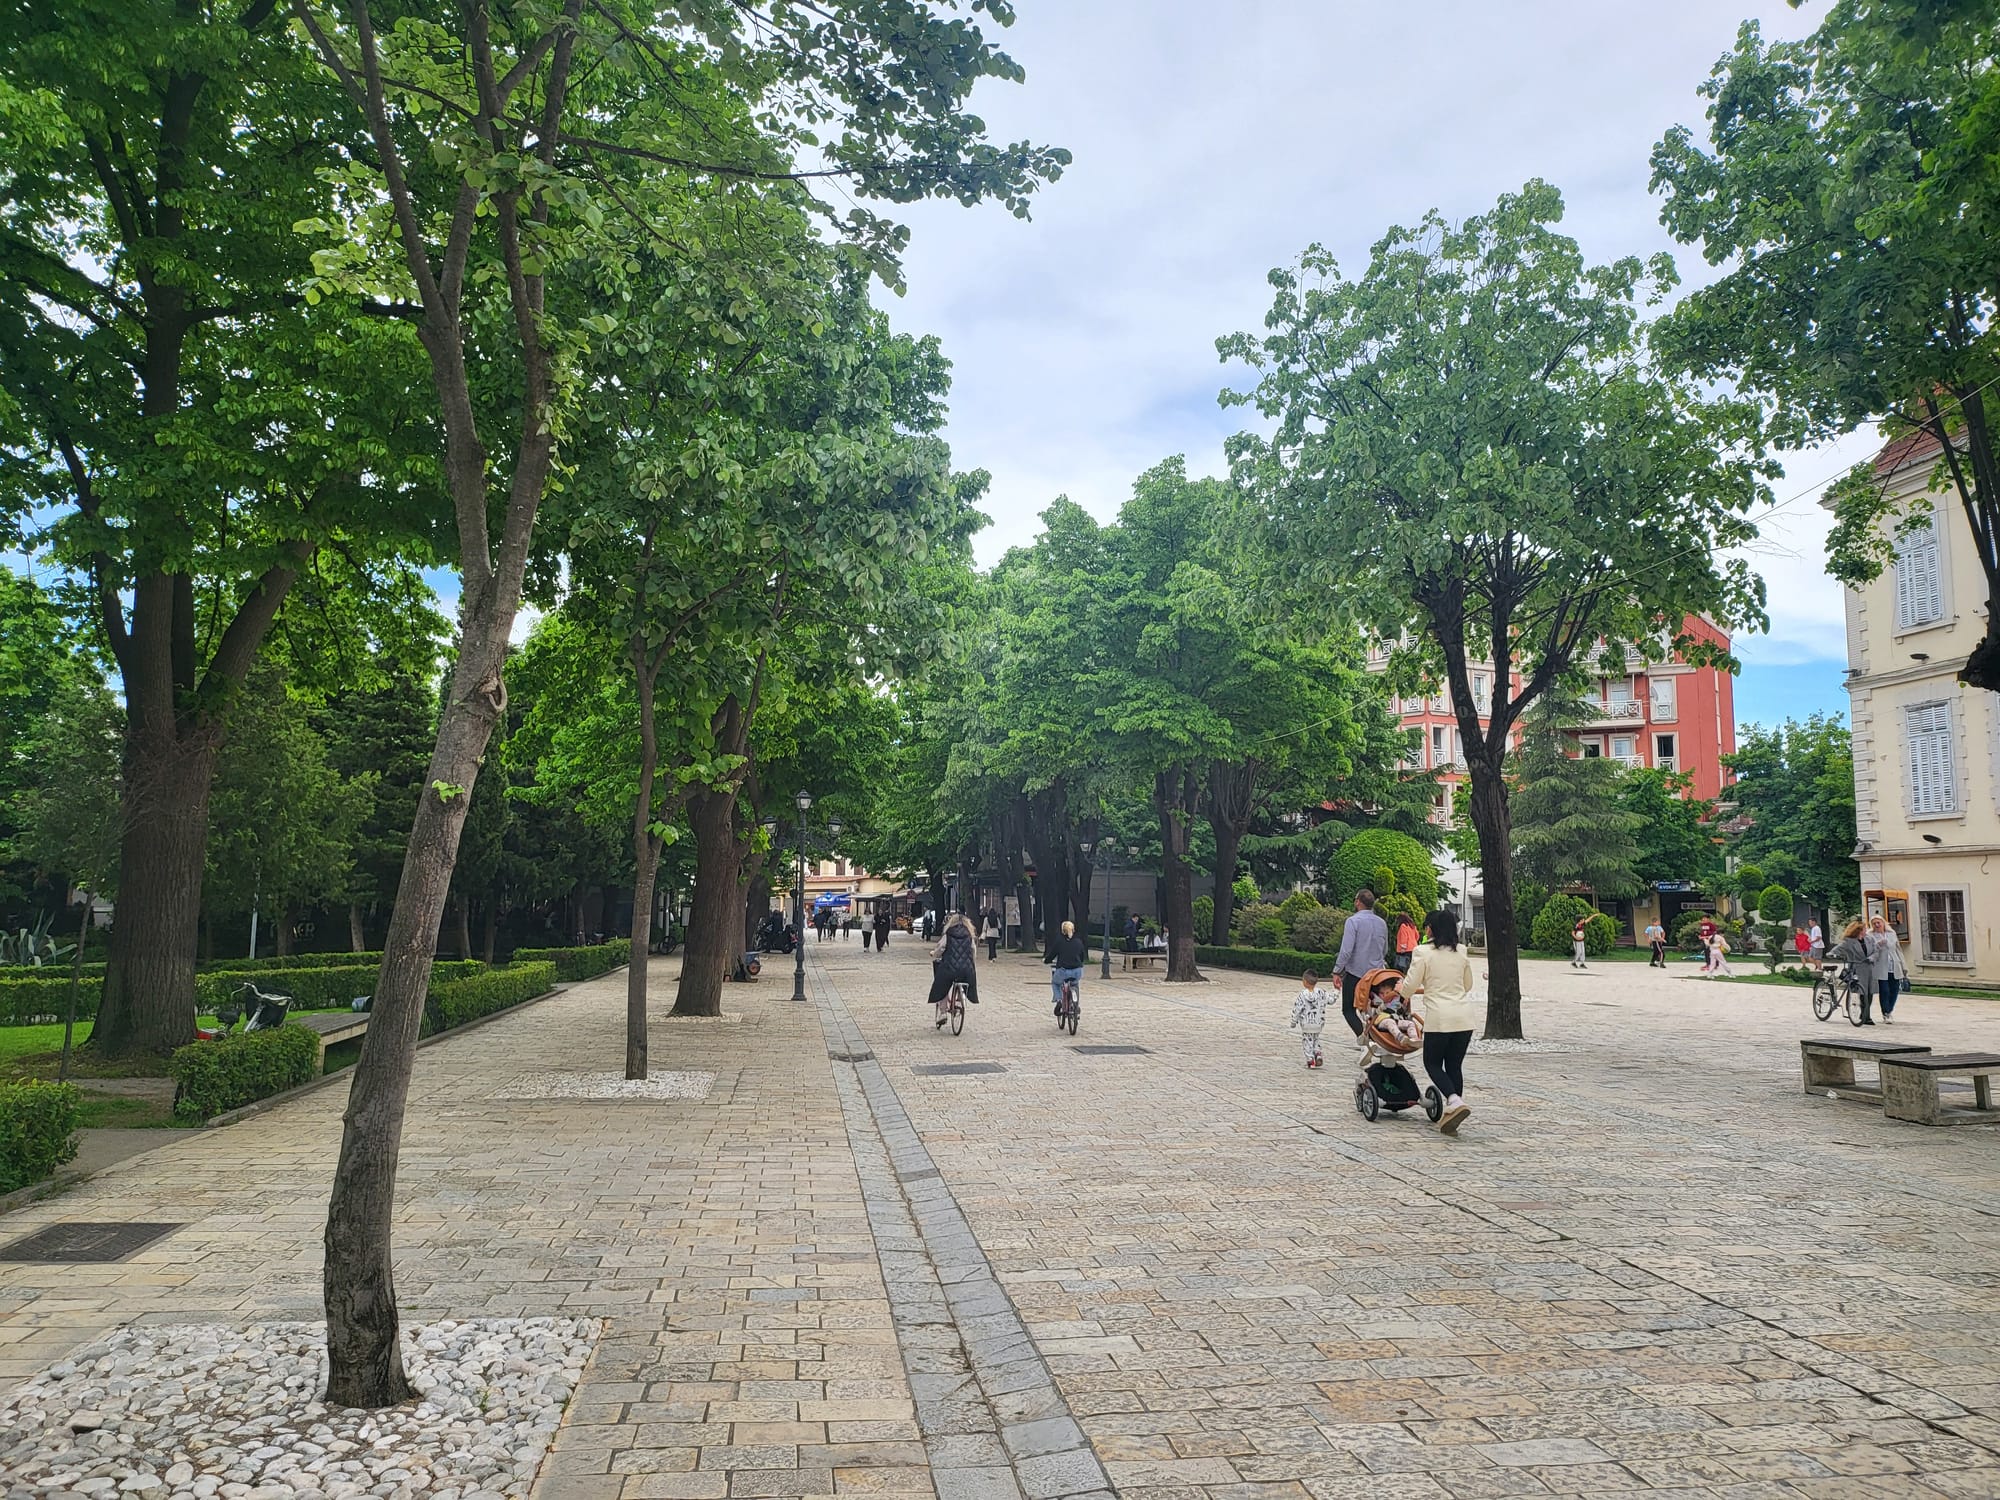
1069	956
955	960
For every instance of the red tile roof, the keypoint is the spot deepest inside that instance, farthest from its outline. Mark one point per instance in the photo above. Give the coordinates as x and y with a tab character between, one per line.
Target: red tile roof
1905	451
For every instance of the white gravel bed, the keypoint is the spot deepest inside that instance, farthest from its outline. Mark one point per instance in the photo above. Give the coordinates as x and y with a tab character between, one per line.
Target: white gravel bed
607	1086
203	1411
1504	1048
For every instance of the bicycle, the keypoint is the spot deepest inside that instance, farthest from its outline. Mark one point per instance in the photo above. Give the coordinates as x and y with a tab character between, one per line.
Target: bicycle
1069	1009
1837	991
952	1008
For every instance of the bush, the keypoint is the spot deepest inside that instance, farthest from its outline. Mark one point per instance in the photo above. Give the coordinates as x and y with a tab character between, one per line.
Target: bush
1287	961
294	961
212	1078
1749	880
1270	932
1319	930
573	964
1557	920
1686	923
315	989
1774	904
1245	890
45	971
1246	920
1204	918
1297	905
1356	862
1529	899
457	1001
35	1002
37	1130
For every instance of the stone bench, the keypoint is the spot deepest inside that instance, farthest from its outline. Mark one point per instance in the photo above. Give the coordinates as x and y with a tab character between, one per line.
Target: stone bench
1910	1087
1143	958
332	1028
1829	1065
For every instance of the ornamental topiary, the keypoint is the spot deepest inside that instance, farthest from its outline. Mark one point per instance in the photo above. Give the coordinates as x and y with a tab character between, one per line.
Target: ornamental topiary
1358	861
1774	904
1557	920
1204	918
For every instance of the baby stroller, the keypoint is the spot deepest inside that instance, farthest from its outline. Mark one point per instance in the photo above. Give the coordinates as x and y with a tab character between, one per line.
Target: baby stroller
1389	1033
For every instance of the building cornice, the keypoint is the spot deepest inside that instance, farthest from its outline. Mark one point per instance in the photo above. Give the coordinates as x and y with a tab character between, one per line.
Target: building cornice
1946	668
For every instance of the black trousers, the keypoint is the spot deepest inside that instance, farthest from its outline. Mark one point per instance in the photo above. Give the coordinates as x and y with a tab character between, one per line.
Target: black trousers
993	947
1349	983
1444	1060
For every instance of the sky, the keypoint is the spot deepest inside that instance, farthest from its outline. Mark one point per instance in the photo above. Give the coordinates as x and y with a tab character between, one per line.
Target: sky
1215	141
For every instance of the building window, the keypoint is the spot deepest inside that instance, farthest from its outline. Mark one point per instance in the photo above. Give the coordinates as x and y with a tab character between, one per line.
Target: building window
1440	746
1919	577
1592	749
1482	692
1666	699
1618	695
1941	915
1625	748
1663	752
1933	766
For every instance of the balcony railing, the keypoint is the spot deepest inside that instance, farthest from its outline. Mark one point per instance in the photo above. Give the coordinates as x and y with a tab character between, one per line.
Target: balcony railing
1632	712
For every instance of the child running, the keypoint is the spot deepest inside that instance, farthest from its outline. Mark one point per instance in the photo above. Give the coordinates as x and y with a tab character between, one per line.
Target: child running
1309	1016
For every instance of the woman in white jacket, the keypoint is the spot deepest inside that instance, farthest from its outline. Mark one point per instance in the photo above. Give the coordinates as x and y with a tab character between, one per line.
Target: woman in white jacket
1885	959
1441	977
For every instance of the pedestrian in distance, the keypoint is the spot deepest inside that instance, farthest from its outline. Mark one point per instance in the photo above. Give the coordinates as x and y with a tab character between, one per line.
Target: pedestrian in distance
1069	953
1309	1016
989	932
885	922
1885	960
1656	939
1364	942
1406	944
1579	944
1131	932
1853	950
1440	979
1718	957
1816	942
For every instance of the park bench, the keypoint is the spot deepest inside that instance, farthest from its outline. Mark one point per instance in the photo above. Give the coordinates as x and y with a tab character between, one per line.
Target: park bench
332	1028
1143	957
1910	1087
1828	1064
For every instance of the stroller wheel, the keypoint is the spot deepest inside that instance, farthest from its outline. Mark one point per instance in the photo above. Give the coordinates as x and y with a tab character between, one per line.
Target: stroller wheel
1366	1101
1433	1105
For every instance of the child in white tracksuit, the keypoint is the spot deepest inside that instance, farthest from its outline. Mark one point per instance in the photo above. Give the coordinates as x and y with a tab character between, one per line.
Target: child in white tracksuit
1309	1016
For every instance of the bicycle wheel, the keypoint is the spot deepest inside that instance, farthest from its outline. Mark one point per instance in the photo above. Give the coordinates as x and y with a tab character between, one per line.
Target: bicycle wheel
1825	999
1075	1015
957	1017
1851	1002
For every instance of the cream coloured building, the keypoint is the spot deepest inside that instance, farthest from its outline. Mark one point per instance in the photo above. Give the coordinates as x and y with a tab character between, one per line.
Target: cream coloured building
1926	749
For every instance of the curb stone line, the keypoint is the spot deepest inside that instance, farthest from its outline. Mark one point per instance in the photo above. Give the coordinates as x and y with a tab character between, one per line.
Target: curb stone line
994	1425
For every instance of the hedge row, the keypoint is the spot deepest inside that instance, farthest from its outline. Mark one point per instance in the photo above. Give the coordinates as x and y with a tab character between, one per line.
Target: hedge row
37	1130
294	961
316	989
573	964
457	1001
232	1071
34	1002
1286	961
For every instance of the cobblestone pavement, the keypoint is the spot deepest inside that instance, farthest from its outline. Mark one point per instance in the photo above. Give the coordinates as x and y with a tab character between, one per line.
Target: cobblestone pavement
1649	1266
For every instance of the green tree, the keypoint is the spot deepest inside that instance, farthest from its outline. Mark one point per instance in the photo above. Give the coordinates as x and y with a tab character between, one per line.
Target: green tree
1571	825
1675	839
1795	789
379	737
185	434
1359	862
66	801
40	657
1475	451
1850	190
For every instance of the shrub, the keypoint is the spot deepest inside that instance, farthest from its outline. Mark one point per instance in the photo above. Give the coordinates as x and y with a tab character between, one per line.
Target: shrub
1529	899
37	1130
33	1002
1286	961
45	971
1749	880
315	989
212	1078
1319	930
1383	879
1557	920
1245	890
1204	918
573	964
1686	923
1297	905
1774	904
294	961
1356	863
1244	921
457	1001
1270	932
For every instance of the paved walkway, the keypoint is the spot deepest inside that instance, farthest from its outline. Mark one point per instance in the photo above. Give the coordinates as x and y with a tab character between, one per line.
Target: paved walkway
1650	1266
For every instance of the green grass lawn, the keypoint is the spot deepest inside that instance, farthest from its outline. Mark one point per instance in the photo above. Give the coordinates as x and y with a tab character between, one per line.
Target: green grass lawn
36	1052
1956	992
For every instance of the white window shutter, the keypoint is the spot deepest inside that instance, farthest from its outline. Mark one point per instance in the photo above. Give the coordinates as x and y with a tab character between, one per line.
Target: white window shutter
1919	577
1932	765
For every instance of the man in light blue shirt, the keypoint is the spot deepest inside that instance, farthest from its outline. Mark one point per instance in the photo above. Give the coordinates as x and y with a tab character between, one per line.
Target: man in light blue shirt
1364	943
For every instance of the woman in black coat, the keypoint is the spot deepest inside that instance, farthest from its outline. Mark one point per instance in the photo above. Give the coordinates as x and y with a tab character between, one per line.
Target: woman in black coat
955	960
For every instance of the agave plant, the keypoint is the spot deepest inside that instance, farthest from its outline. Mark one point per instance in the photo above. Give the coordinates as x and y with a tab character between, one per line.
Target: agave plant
33	946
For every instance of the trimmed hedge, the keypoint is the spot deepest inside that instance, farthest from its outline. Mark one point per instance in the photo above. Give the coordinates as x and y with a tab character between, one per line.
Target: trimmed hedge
573	964
294	961
457	1001
316	989
1286	961
232	1071
37	1130
43	971
35	1002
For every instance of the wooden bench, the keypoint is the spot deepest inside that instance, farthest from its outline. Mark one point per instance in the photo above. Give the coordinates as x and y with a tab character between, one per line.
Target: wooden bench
1910	1087
1829	1065
332	1028
1143	957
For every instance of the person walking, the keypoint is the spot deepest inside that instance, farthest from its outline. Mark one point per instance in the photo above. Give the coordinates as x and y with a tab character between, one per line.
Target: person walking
1718	957
885	922
1131	932
1579	944
1656	939
1802	945
1853	950
1309	1016
1406	943
1885	959
1363	943
1441	979
1816	940
989	932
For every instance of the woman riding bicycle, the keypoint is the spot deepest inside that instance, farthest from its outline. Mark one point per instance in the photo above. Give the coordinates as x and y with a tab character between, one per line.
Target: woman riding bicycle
955	960
1069	955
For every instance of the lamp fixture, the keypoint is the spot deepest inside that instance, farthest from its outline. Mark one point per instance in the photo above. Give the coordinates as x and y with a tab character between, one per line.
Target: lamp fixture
804	800
833	827
1931	838
770	828
1920	656
1086	847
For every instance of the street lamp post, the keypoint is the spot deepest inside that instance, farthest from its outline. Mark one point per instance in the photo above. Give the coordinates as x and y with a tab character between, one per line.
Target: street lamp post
804	800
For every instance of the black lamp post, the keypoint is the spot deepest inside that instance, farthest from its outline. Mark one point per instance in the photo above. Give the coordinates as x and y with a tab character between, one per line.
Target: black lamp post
1106	855
805	801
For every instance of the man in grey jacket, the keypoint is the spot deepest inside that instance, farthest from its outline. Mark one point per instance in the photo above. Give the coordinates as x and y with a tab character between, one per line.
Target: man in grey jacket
1364	942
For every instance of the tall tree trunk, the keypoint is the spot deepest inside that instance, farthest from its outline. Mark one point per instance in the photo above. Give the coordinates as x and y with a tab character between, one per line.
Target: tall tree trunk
462	921
287	919
1173	796
1494	823
357	934
1048	822
490	909
713	925
1081	876
1232	793
645	867
755	883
